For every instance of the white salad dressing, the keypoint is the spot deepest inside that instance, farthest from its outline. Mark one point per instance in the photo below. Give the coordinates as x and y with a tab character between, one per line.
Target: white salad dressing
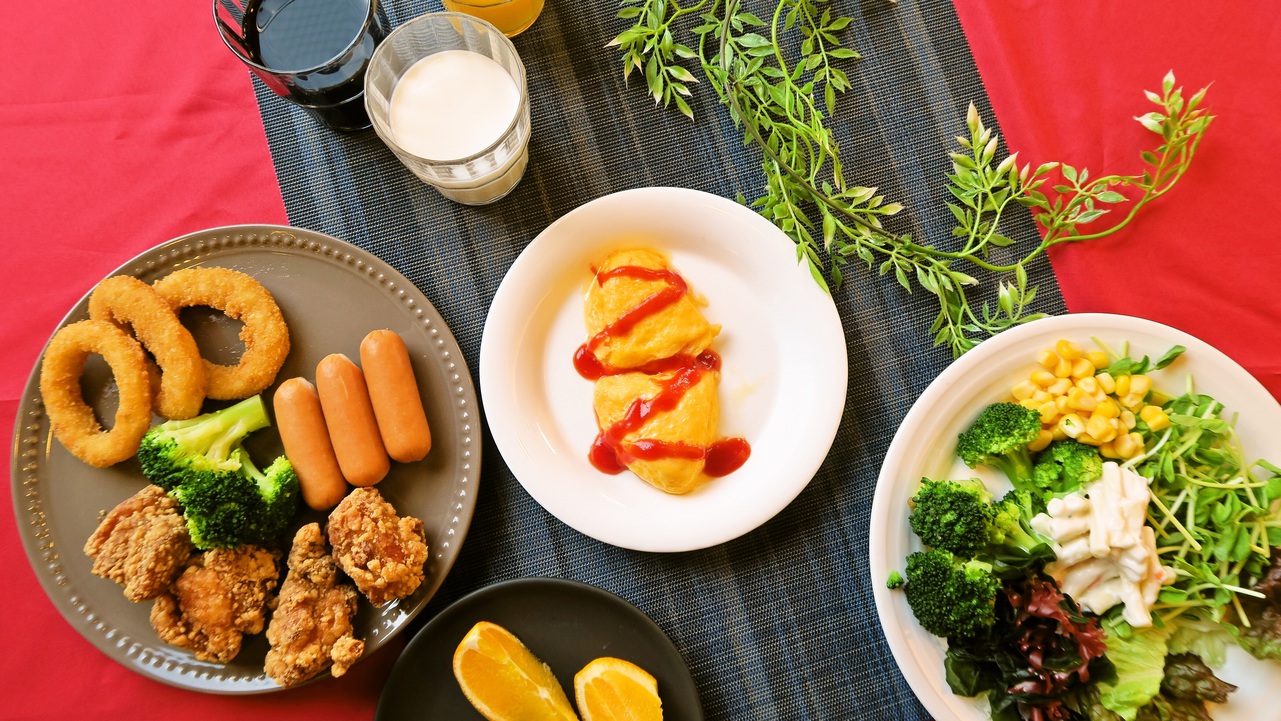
452	104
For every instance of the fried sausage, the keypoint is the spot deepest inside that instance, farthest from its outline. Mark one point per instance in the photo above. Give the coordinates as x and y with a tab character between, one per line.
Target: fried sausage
394	393
307	445
349	415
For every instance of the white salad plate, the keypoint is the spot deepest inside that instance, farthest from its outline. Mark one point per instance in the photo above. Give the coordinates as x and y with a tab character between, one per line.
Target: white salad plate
783	373
925	446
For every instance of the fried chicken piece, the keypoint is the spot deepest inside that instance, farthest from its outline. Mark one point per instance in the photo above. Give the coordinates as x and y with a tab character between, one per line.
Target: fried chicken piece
141	544
221	595
311	626
383	553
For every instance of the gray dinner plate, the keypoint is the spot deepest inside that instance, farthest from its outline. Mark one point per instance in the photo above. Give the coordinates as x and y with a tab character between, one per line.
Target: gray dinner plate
331	294
564	623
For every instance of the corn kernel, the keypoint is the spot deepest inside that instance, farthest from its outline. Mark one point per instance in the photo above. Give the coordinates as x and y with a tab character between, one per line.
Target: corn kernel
1049	411
1124	446
1157	398
1069	350
1106	383
1042	440
1057	432
1081	401
1041	396
1023	389
1107	408
1047	359
1099	428
1082	368
1043	379
1098	358
1127	419
1063	369
1133	446
1122	386
1087	439
1132	401
1156	418
1071	425
1060	387
1062	403
1140	385
1108	450
1089	385
1029	403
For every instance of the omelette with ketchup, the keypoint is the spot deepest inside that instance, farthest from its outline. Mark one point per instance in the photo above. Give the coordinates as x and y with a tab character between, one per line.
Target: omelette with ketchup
648	350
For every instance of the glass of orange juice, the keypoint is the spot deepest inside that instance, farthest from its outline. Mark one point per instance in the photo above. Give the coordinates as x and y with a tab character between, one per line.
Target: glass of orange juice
511	17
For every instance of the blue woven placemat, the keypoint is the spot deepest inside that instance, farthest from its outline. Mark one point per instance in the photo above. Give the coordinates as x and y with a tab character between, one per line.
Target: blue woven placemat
778	624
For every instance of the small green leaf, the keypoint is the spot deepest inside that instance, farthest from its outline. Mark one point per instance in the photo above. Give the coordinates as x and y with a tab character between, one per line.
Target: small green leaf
817	275
1169	357
681	74
1151	121
901	277
683	106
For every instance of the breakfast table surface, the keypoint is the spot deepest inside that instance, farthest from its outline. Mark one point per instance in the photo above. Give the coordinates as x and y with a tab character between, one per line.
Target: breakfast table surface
121	132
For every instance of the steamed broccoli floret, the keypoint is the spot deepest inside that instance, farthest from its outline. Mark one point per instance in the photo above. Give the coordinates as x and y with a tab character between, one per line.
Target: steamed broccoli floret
199	449
952	515
1012	541
1029	502
279	490
225	499
225	510
951	597
960	517
999	437
1066	465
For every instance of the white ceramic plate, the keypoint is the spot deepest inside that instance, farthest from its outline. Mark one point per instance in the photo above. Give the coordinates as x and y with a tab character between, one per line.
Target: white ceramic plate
783	372
925	445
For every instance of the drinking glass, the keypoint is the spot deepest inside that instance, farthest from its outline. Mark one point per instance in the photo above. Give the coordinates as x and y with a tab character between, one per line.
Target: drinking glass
511	17
312	53
482	177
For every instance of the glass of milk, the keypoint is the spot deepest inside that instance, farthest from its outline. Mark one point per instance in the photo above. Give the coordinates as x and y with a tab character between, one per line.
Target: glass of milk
446	92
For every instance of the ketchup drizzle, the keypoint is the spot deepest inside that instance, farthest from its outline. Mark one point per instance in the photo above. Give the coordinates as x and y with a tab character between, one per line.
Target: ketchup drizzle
608	453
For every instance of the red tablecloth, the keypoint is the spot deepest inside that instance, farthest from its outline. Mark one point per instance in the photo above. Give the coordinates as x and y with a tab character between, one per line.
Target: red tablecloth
1065	79
122	129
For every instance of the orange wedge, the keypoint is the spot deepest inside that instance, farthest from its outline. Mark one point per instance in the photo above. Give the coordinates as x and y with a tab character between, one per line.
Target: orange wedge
611	689
504	681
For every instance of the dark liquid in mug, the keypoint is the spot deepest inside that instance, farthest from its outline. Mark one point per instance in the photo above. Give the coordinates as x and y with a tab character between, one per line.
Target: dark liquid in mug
289	36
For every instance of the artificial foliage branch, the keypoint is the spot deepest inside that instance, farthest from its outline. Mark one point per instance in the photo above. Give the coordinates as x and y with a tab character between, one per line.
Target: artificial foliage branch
782	94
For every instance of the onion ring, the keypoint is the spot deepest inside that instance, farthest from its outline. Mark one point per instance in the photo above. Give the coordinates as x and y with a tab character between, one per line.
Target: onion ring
265	335
124	299
72	420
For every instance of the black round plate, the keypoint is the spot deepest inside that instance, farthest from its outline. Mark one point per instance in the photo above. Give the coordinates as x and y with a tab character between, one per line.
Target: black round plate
564	623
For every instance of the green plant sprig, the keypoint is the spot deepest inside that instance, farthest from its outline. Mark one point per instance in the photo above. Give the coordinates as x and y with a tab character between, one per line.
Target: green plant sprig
774	101
1080	201
650	47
